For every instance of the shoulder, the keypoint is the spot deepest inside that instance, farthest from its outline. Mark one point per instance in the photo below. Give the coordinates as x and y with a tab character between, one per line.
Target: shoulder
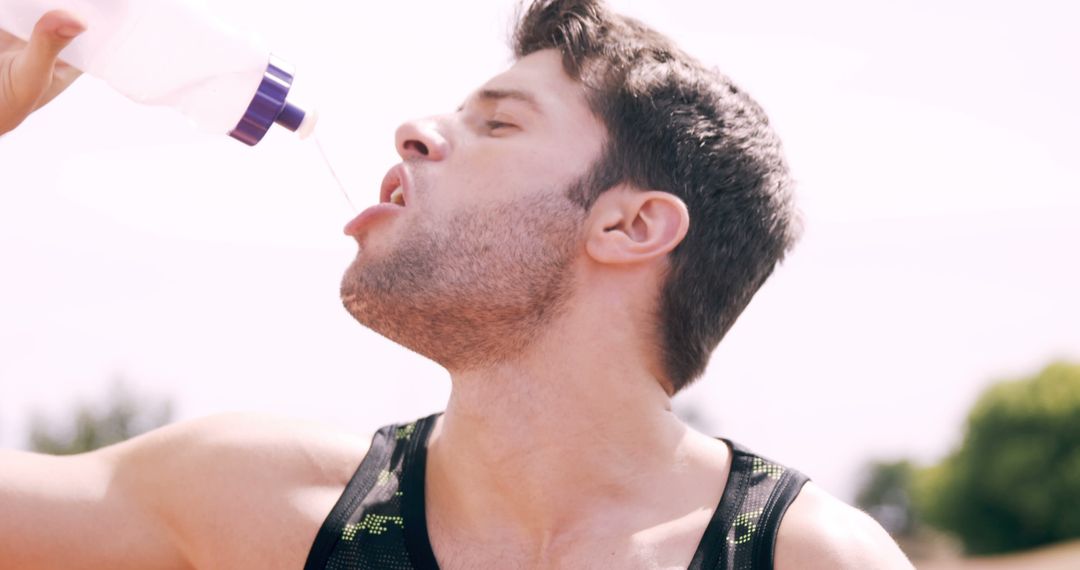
821	532
219	481
234	439
200	470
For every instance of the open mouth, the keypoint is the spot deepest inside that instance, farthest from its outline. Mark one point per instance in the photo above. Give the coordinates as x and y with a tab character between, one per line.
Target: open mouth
393	187
393	197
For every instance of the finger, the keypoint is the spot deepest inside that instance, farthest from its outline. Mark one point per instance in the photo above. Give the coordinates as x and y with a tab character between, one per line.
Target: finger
33	67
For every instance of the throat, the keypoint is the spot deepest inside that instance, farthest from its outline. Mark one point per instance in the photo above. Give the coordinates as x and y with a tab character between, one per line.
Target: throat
531	469
572	504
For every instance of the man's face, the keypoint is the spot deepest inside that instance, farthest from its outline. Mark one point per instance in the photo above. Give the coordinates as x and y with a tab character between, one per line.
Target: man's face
480	257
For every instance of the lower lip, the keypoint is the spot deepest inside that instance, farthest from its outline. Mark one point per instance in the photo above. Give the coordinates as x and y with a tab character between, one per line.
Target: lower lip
369	216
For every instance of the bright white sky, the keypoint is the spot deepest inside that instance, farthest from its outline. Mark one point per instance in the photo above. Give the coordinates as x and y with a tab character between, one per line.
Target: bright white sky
935	145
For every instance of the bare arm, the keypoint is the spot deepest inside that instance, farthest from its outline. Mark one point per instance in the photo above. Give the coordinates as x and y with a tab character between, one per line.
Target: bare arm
820	532
228	491
77	512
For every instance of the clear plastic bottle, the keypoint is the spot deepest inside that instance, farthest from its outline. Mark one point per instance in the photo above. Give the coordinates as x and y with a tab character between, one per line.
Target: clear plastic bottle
175	53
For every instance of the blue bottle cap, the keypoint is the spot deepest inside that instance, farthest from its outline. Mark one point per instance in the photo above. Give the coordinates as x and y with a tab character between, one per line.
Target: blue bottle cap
269	105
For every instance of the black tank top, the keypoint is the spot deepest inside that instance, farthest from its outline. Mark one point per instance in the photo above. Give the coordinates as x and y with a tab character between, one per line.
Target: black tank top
379	522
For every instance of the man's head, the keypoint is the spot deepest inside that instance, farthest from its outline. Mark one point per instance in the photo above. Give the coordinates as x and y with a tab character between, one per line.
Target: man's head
502	193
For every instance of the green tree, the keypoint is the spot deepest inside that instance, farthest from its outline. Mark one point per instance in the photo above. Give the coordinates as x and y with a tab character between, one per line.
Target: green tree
695	415
123	415
885	494
1014	483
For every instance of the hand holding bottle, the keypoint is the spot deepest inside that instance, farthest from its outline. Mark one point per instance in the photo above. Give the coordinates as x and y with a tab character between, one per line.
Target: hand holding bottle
30	75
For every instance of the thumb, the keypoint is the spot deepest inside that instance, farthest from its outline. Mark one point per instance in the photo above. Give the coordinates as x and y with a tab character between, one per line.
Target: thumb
32	69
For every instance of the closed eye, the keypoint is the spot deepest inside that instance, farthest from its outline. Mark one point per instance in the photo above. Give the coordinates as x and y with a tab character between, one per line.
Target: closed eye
493	125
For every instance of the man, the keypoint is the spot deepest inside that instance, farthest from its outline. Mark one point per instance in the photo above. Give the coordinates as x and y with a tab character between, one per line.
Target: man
571	244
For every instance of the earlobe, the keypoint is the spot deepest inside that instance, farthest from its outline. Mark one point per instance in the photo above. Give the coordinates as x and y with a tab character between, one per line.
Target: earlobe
632	226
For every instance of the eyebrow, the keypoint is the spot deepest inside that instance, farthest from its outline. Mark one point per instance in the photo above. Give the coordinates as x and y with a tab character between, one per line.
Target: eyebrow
514	94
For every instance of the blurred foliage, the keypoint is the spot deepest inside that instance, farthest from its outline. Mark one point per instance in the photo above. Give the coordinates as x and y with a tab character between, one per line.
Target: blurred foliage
1014	483
885	494
122	415
694	414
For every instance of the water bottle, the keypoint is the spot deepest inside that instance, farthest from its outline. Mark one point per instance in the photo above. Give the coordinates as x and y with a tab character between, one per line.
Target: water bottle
176	53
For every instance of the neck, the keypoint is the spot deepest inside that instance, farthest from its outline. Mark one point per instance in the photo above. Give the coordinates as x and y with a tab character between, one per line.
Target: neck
572	431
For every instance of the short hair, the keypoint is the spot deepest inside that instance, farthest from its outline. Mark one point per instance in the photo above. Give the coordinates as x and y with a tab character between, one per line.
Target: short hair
675	125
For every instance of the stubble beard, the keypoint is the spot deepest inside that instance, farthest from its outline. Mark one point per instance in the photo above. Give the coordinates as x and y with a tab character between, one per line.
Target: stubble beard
473	291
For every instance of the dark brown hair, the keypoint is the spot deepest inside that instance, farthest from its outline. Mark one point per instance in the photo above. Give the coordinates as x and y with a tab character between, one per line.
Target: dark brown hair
677	126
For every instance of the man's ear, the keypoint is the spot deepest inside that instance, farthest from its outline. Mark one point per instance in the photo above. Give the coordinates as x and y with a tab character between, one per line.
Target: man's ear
627	225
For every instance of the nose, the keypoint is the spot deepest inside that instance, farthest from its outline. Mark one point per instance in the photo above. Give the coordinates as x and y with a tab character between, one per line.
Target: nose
421	139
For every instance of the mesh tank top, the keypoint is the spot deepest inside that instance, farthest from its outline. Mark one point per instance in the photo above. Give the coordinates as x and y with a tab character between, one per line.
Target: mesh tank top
379	522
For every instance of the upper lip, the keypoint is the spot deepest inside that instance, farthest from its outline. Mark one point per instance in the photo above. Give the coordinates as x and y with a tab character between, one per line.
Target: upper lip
396	176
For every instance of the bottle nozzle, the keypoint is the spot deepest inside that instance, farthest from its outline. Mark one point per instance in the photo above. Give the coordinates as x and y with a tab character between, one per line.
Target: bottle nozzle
270	106
290	117
297	120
